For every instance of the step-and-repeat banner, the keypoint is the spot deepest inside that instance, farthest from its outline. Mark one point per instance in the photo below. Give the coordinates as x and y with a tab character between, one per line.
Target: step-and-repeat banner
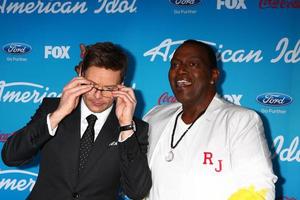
257	43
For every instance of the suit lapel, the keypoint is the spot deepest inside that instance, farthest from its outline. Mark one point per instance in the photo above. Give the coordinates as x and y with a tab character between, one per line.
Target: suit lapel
70	128
108	134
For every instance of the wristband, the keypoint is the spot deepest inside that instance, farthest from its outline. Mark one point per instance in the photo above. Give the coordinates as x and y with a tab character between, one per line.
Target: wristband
128	127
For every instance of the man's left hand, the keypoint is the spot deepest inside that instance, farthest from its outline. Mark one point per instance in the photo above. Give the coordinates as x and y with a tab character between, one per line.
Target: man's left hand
125	104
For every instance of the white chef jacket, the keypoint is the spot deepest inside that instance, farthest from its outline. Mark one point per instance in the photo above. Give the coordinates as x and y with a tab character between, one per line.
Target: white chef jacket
224	151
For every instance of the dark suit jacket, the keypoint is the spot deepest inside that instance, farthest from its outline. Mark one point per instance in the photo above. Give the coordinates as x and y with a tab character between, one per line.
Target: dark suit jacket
108	167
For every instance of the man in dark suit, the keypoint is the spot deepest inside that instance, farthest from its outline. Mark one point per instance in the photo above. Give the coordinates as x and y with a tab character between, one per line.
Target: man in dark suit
90	144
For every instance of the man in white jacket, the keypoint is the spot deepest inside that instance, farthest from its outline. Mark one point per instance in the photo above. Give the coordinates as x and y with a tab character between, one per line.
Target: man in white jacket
204	147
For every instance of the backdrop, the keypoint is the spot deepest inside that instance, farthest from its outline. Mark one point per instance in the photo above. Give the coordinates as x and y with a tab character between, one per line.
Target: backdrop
257	44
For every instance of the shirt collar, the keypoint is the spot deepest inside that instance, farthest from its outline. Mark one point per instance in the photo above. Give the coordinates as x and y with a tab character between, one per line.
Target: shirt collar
85	111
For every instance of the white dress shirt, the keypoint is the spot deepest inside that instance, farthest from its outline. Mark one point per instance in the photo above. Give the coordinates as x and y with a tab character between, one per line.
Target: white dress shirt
101	118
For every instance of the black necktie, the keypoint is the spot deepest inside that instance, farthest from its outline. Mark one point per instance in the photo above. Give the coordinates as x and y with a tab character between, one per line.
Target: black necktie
87	141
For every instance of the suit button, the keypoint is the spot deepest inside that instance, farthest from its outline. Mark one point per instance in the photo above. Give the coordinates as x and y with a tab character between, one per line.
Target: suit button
75	195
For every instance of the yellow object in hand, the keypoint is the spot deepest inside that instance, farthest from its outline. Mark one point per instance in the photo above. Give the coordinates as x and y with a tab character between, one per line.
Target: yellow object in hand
249	194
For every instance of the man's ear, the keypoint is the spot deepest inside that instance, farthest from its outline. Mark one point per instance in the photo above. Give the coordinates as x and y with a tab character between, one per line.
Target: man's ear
215	73
78	69
82	50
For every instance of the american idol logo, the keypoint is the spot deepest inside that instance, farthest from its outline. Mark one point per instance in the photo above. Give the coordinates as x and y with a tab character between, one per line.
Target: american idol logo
274	99
19	180
185	2
24	92
17	48
166	49
289	154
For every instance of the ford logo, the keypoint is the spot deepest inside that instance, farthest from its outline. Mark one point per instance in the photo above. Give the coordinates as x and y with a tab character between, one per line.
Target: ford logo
185	2
274	99
17	48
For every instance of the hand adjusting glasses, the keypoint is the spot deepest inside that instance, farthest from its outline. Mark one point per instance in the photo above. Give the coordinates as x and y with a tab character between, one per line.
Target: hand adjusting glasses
106	91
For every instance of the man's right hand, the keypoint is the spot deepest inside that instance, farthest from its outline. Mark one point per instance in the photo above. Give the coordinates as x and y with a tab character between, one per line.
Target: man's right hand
69	99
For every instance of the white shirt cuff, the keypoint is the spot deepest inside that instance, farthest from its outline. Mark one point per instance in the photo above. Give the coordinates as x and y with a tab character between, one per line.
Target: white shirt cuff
120	140
51	131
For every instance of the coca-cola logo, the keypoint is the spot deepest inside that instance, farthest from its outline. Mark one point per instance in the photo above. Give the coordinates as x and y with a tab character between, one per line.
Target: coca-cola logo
165	98
274	99
4	136
278	4
17	48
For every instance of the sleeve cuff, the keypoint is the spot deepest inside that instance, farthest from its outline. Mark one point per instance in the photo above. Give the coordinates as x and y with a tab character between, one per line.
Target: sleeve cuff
126	137
51	131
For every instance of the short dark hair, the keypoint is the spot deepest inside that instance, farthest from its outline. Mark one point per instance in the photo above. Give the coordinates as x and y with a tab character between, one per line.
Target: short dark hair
106	55
209	50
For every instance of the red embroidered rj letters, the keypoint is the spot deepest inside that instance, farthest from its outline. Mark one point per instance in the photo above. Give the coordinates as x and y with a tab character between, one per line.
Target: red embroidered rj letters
208	159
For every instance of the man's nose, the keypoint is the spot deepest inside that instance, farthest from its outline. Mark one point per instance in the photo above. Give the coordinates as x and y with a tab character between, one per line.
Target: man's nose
182	68
98	94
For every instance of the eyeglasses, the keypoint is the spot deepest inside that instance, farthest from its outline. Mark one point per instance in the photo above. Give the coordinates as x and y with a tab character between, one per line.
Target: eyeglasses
106	91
